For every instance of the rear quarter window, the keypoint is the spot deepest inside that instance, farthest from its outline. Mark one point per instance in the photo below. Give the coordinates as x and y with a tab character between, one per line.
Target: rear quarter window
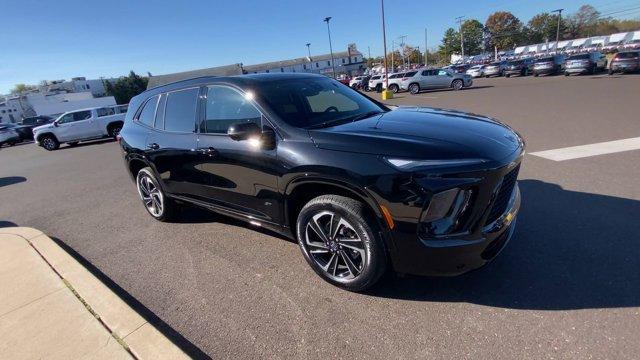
148	113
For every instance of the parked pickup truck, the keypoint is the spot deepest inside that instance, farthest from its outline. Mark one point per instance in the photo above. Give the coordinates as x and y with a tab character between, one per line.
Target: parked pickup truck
80	125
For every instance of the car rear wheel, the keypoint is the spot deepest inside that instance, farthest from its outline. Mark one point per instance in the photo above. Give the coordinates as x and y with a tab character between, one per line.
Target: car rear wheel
341	242
153	197
414	88
394	88
114	130
457	84
49	142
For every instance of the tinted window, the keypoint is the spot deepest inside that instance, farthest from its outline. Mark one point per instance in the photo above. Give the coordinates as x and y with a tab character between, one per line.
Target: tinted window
442	73
180	110
410	74
627	55
82	115
425	73
148	113
579	57
545	59
107	111
226	106
312	102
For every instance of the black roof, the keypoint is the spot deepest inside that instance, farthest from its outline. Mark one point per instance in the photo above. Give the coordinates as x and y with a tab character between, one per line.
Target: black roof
239	80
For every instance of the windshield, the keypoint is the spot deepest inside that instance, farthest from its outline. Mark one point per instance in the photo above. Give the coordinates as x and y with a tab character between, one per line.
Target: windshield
627	55
547	59
579	57
315	102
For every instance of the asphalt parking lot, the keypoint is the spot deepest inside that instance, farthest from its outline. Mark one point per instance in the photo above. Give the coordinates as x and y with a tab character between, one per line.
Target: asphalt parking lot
567	286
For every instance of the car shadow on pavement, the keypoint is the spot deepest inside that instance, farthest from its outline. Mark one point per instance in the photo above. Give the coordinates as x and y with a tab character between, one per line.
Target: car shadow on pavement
180	341
10	180
571	250
7	224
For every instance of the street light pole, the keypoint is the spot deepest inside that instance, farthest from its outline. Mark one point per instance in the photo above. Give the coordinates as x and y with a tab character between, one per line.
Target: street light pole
384	45
426	49
559	11
459	20
309	57
333	65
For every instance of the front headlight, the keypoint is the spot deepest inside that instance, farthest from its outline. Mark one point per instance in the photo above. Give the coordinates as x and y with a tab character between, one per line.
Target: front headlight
409	165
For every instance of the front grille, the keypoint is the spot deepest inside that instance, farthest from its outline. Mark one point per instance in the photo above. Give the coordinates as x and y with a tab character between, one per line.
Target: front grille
501	200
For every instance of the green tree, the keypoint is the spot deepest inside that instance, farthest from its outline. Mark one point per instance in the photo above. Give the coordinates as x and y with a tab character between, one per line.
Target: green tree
543	27
583	22
505	30
472	31
126	87
20	88
450	43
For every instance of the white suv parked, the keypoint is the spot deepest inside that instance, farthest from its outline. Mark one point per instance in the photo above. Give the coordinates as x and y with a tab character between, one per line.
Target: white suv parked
79	125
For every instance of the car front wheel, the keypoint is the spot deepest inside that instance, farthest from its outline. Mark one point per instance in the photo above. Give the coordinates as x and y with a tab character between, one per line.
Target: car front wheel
50	143
153	197
457	84
394	88
414	88
340	242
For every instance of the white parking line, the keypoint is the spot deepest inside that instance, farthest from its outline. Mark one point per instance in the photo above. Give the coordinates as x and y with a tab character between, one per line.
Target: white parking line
576	152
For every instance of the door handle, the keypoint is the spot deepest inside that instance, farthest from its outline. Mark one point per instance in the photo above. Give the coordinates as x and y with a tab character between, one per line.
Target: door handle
207	151
153	146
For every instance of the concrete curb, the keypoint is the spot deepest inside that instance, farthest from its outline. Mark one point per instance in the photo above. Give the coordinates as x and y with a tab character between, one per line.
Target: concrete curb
142	339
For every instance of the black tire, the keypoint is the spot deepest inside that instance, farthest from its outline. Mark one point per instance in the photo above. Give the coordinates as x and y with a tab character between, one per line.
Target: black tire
487	76
114	129
457	84
11	143
414	88
566	73
536	74
49	142
169	208
610	72
507	75
371	256
73	143
394	88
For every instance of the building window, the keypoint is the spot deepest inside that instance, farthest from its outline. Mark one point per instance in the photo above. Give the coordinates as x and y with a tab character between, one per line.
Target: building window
328	63
317	65
88	86
355	59
281	69
267	71
304	66
343	60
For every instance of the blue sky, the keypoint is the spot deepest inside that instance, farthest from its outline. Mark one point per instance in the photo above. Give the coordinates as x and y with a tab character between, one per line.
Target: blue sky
61	39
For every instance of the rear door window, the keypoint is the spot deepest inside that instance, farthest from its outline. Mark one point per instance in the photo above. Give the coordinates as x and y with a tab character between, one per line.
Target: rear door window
180	110
82	115
106	111
148	113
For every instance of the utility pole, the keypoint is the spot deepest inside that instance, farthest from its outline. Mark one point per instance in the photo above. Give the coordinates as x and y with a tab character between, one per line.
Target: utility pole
402	47
426	49
392	52
459	20
386	94
559	11
309	57
333	65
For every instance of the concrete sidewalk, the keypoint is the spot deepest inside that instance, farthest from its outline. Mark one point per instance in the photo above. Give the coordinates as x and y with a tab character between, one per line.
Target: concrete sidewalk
51	307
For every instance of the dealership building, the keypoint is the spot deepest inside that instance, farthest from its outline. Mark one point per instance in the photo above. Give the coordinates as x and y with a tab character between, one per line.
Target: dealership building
350	62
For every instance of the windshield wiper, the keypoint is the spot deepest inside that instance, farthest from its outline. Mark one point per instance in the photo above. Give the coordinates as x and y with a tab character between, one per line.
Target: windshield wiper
345	120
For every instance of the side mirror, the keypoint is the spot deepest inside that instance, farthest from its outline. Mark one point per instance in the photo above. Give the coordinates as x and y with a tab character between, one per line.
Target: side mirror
244	131
55	123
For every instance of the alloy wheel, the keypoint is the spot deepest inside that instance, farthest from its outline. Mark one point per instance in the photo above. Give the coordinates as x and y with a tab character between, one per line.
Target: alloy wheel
414	88
335	246
115	131
48	143
457	84
151	195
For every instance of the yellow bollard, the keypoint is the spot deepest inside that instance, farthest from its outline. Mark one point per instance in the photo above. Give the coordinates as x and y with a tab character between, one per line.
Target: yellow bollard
387	94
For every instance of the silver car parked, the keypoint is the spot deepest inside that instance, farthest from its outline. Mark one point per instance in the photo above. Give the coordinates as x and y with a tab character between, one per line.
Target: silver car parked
427	79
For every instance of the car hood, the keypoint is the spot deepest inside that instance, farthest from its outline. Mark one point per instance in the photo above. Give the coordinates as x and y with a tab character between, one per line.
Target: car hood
43	127
422	133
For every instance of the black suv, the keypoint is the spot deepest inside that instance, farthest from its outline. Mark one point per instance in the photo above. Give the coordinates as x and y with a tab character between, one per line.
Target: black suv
362	188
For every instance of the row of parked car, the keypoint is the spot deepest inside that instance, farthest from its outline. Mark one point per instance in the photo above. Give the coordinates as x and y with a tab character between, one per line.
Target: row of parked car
585	63
413	81
70	127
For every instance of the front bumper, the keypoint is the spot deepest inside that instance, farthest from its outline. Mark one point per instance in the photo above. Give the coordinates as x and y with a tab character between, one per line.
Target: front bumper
452	257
